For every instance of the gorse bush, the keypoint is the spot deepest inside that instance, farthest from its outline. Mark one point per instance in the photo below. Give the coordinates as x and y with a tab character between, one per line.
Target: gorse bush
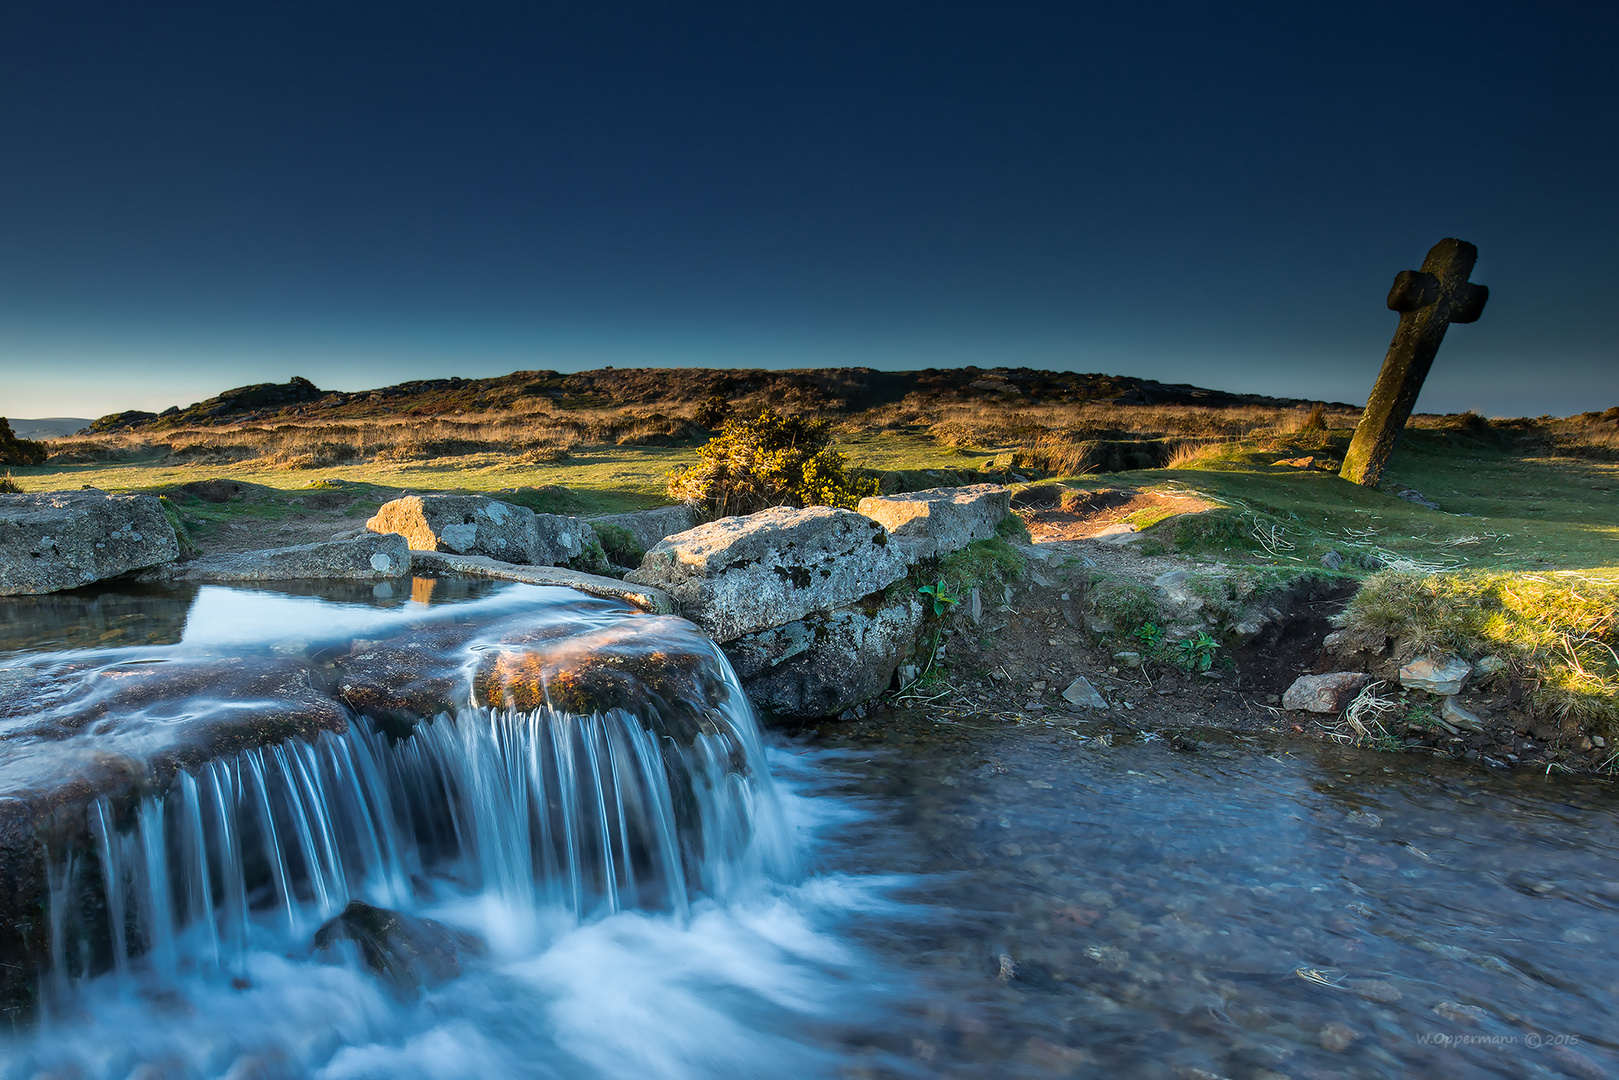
772	460
712	412
15	451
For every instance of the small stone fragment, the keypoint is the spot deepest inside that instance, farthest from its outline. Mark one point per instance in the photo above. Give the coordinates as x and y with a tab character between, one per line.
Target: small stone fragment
1412	495
1080	692
1379	990
1460	717
1455	1010
1332	561
1443	676
1128	658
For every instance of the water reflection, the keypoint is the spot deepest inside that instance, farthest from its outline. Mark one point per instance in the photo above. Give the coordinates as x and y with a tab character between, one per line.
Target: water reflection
126	614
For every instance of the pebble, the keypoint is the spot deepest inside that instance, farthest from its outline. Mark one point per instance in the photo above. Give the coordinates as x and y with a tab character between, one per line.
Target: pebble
1337	1036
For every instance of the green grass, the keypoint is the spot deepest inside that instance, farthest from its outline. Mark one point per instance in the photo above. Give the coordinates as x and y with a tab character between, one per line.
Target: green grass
1525	511
905	451
1499	509
1557	632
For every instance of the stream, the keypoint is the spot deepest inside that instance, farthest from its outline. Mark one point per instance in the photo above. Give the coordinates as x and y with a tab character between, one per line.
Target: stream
906	897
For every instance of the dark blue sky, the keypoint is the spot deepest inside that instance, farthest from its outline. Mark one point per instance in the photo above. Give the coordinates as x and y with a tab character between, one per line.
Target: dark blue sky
195	196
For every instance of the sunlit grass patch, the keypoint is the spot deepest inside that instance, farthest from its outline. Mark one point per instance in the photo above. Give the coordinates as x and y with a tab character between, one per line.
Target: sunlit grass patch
1558	632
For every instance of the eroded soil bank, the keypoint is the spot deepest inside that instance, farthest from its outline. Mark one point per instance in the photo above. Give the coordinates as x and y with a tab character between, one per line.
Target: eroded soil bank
1017	654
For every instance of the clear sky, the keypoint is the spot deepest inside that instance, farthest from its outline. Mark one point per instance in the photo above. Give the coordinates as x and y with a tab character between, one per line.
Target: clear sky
194	196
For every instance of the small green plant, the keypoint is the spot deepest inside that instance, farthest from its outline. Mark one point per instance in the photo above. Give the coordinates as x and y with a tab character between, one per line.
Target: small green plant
1122	601
1420	716
1150	634
1013	529
940	595
943	601
8	486
1196	653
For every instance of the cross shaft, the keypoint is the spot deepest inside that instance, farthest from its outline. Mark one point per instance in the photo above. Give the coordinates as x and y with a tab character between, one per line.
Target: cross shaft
1428	301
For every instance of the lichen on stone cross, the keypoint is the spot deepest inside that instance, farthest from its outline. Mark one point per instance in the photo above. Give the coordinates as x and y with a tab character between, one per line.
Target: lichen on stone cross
1428	301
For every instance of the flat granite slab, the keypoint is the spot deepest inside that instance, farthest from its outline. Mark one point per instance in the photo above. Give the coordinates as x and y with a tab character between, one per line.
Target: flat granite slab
645	597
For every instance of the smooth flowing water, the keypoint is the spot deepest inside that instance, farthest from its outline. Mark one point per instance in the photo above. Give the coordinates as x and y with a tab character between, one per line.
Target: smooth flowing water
923	899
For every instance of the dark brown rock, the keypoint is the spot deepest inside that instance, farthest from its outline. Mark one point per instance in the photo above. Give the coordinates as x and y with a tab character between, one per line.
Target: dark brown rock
407	953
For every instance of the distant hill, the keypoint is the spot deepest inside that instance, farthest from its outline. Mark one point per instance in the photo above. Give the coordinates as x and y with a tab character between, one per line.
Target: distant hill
49	427
823	390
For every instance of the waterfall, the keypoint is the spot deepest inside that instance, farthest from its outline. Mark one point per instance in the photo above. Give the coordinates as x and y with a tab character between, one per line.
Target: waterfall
585	815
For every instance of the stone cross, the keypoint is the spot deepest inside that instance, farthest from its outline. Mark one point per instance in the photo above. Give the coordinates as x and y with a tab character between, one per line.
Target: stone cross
1428	301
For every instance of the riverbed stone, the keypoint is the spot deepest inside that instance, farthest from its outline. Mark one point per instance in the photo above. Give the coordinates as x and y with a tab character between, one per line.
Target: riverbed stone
1444	675
1329	693
479	525
937	521
827	662
739	575
407	953
64	539
368	557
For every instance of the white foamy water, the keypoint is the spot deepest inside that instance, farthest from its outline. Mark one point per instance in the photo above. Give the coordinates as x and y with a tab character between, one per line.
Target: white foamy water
744	986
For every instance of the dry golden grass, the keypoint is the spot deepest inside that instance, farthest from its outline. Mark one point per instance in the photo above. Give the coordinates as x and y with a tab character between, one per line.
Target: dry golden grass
1077	438
533	436
1063	438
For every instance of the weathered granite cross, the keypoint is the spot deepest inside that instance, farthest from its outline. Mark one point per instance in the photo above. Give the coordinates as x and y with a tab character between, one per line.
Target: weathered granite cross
1428	301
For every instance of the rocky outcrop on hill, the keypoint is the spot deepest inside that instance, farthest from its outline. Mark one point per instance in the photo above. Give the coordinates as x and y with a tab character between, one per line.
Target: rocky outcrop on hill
65	539
259	401
822	390
478	525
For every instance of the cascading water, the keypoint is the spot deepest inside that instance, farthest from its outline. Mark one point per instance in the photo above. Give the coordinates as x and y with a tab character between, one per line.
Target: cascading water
586	761
573	814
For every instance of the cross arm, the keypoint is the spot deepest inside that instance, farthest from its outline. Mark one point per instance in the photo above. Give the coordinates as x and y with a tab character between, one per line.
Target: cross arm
1413	289
1469	302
